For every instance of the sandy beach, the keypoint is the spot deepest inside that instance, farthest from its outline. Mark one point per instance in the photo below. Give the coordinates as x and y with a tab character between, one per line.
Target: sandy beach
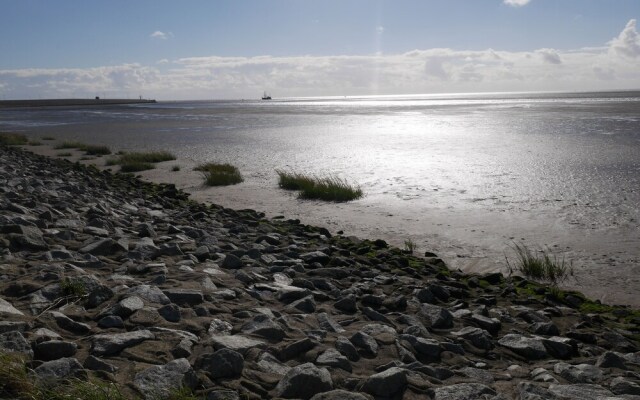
604	267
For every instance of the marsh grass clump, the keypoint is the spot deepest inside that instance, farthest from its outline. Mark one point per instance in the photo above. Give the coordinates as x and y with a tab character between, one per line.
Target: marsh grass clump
70	145
219	174
96	150
175	168
540	265
330	188
15	382
73	288
409	246
294	180
35	143
13	139
136	161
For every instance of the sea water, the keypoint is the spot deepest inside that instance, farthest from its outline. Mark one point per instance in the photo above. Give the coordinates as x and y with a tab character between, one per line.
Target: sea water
480	170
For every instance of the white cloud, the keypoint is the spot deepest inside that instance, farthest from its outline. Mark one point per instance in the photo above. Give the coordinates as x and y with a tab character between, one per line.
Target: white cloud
516	3
550	56
627	43
161	35
615	66
379	29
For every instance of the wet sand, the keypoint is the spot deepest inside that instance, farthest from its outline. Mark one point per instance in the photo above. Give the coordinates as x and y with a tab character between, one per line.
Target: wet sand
606	268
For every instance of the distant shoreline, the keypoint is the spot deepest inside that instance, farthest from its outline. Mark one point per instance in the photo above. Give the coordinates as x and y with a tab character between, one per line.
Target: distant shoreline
70	102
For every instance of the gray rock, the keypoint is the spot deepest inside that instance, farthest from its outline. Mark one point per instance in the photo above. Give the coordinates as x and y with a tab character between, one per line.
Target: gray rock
30	238
52	371
315	256
111	321
170	312
304	381
305	305
478	375
347	349
373	315
54	349
531	348
262	325
159	381
98	296
386	383
219	327
96	364
231	262
8	308
478	337
347	304
105	247
268	363
328	324
621	386
333	358
381	332
428	348
125	307
581	373
296	348
239	343
149	293
529	391
14	342
184	297
609	359
287	294
224	363
339	394
365	342
491	325
68	324
223	394
425	295
580	392
436	317
463	391
109	344
560	347
10	326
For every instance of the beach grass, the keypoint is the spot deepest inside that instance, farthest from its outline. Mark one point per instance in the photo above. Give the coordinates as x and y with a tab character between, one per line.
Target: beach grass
96	150
64	154
69	145
539	265
138	161
35	143
219	174
13	139
329	188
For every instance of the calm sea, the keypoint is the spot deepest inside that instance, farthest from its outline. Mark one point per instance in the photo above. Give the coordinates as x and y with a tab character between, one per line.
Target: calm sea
540	167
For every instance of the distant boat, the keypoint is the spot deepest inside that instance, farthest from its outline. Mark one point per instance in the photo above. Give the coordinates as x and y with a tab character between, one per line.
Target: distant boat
265	96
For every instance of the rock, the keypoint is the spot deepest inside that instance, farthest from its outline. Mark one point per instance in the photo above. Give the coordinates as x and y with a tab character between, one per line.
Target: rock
531	348
339	394
476	336
621	386
262	325
296	348
8	308
333	358
68	324
492	325
170	312
306	305
304	381
386	383
96	364
436	317
219	327
347	349
610	359
231	262
54	349
149	293
365	342
268	363
114	343
111	321
224	363
581	373
223	394
429	349
239	343
347	304
159	381
105	247
560	347
13	341
325	322
529	391
463	391
10	326
315	257
125	307
184	297
29	238
53	371
98	296
580	392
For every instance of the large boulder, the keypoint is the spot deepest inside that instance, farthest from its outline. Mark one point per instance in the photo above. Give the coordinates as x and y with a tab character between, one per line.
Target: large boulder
303	382
157	382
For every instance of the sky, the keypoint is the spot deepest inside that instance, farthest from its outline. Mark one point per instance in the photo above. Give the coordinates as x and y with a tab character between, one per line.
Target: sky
231	49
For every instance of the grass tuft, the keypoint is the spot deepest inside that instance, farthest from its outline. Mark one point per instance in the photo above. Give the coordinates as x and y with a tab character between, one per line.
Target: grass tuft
96	150
69	145
13	139
409	246
15	382
539	266
135	162
64	154
175	168
330	188
219	174
136	166
35	143
73	288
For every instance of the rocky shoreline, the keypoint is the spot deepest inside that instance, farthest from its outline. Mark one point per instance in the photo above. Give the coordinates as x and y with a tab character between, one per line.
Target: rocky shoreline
105	276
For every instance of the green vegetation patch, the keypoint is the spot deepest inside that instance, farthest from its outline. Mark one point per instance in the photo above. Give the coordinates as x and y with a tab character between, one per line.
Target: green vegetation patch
13	139
137	161
69	145
96	150
64	154
540	265
219	174
330	188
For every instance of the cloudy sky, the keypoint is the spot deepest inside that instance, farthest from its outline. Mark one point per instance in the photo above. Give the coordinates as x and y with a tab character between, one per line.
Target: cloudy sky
201	49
